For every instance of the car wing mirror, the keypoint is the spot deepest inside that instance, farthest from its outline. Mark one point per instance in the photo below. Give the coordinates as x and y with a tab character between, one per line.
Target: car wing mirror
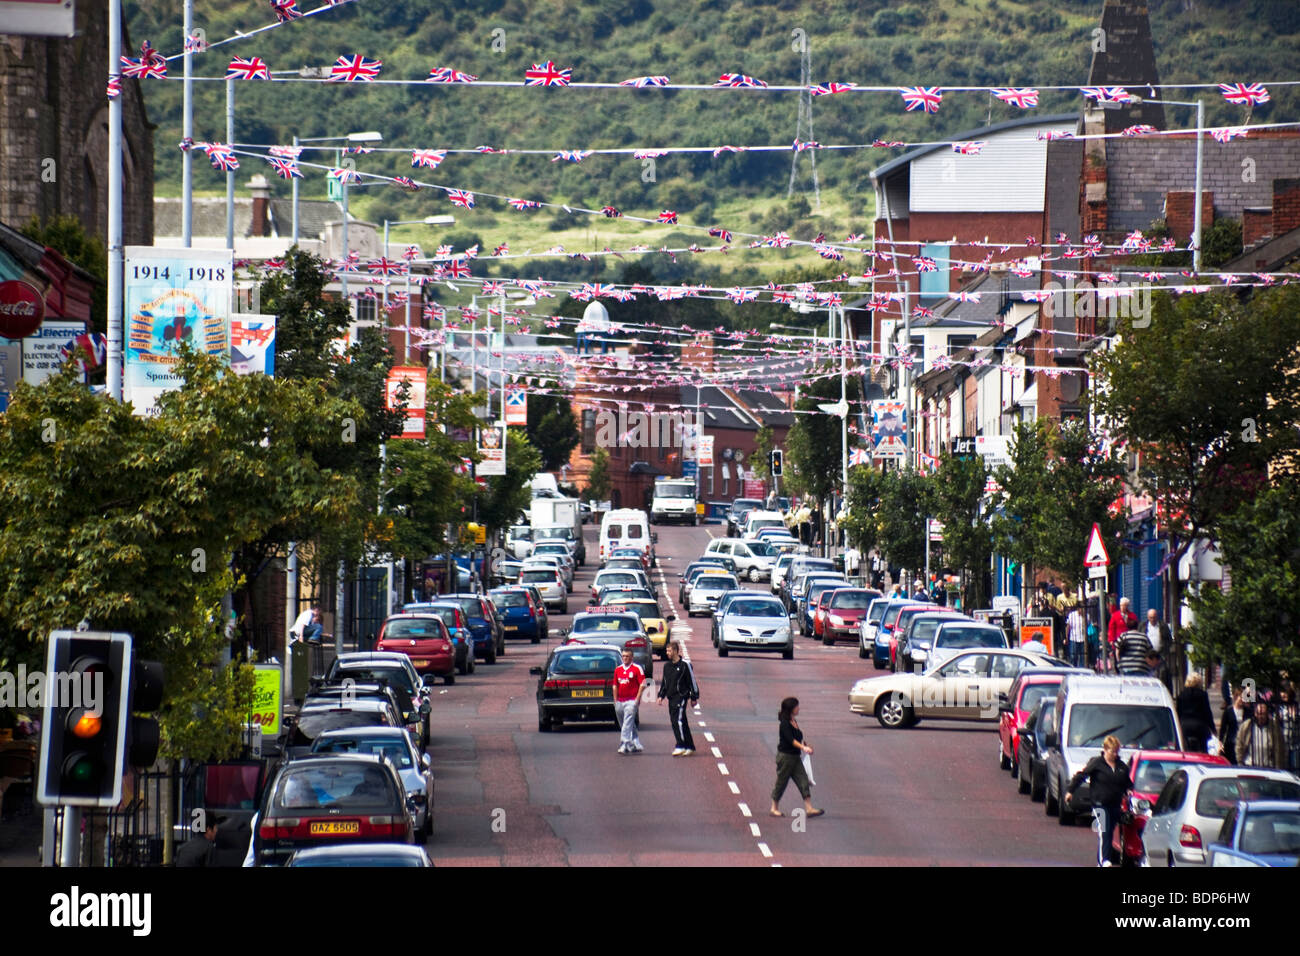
1050	740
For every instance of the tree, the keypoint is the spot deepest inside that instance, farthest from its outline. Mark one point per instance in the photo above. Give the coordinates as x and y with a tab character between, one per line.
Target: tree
506	495
68	237
599	483
1019	528
760	460
812	445
1254	627
906	499
958	497
552	429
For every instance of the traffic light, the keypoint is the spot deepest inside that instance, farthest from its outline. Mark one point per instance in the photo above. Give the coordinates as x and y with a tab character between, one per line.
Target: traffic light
142	734
84	719
776	462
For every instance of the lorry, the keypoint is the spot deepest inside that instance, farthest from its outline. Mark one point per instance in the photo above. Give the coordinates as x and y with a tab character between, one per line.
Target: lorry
559	518
674	500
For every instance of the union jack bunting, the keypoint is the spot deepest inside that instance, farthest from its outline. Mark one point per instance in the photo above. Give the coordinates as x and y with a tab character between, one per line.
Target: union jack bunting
649	153
1022	272
1135	241
887	144
1227	133
435	313
406	183
646	81
610	212
970	148
488	149
149	65
1107	277
286	10
493	288
1052	134
385	266
461	197
288	152
742	295
719	233
471	252
522	204
782	295
1244	94
445	74
624	295
1035	295
667	217
253	68
739	80
855	237
799	146
273	264
502	250
357	68
827	89
358	150
547	74
1152	276
598	289
921	312
1168	245
1106	94
221	156
411	252
114	88
343	175
859	456
1021	97
1141	129
285	168
458	269
428	157
964	296
728	149
925	98
829	252
194	43
443	250
571	155
924	264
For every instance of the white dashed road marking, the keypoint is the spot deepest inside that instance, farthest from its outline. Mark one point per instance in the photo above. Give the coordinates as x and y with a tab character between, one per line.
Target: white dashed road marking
744	810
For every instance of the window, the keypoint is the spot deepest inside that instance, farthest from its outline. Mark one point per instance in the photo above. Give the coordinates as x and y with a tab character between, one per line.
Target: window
588	430
367	309
1007	665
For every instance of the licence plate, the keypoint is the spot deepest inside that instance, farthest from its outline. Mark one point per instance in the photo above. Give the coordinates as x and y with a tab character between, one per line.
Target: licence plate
420	663
755	640
335	826
512	627
586	693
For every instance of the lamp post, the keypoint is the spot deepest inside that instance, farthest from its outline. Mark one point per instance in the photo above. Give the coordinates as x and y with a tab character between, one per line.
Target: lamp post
370	136
428	221
1200	153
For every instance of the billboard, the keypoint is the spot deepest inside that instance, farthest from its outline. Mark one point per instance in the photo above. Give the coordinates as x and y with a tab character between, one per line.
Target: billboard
252	344
889	430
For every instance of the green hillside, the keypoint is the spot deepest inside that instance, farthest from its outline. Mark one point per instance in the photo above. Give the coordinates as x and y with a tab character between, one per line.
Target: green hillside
871	42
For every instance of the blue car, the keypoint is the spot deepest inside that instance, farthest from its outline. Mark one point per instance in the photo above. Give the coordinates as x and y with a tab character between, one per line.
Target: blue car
880	650
484	625
1259	833
519	617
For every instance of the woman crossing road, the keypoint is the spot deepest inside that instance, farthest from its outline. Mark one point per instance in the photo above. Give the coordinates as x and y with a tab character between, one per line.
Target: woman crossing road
789	760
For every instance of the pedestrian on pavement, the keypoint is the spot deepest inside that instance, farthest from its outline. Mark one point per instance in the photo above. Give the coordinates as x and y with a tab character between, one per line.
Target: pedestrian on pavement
789	760
852	557
1259	741
1194	714
1122	620
679	688
308	626
1233	715
1131	652
1076	632
1034	645
628	678
1108	780
920	593
1159	635
1288	719
199	850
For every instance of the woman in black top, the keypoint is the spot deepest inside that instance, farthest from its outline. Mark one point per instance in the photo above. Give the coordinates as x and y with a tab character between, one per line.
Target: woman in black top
789	760
1195	715
1108	780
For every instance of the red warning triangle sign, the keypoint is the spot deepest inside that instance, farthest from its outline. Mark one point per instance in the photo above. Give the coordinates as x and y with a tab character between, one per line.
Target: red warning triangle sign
1095	556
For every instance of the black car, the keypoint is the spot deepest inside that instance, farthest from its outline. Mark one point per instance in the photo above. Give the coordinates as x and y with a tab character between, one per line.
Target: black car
736	514
328	799
576	683
325	715
1033	749
918	626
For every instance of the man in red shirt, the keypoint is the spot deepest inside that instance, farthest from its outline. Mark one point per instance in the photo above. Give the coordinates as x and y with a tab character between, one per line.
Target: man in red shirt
628	678
1121	621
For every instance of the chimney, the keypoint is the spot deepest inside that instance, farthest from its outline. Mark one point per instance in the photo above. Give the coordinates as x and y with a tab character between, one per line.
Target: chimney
261	190
1286	205
1180	213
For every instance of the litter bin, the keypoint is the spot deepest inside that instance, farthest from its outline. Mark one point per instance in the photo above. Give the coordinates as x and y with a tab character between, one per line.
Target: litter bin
299	669
839	563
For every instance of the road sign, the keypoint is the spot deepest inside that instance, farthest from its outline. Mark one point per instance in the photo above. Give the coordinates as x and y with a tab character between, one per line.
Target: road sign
1095	555
516	405
936	529
1099	571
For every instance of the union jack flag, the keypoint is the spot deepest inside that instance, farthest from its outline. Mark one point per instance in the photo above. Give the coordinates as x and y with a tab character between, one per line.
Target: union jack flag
739	295
925	98
1244	94
1035	295
351	69
522	204
435	313
719	233
445	74
288	152
458	269
221	155
547	74
502	250
924	264
887	144
649	153
738	80
1135	241
624	295
829	252
646	81
598	289
1022	272
859	456
488	149
411	252
493	287
780	240
969	148
1226	133
1168	245
469	312
471	252
114	88
344	175
668	217
964	296
358	150
728	149
855	237
285	168
385	266
250	69
1017	96
194	43
1152	276
921	312
827	89
1108	277
1106	94
406	183
783	295
610	212
443	250
1052	134
1141	129
571	155
150	64
799	146
461	197
428	157
286	10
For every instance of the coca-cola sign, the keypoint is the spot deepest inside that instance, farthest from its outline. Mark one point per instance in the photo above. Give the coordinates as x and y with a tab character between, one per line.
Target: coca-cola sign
22	309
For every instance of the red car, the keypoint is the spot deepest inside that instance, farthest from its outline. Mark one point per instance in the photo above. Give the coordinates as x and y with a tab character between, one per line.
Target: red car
840	613
1149	770
1029	687
889	628
425	639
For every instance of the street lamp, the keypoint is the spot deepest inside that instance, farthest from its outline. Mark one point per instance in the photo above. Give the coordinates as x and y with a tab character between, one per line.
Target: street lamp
428	221
367	137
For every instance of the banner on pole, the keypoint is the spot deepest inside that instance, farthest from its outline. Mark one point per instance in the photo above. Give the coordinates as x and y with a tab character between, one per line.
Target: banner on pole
492	449
889	430
416	379
516	405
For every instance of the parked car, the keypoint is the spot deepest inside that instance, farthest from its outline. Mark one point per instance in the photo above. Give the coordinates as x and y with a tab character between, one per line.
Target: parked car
1259	833
1032	747
914	634
576	683
369	855
550	559
550	583
755	622
740	509
884	649
869	625
450	614
754	559
424	638
395	744
813	592
398	672
323	799
953	636
522	615
1195	803
1150	771
844	612
486	630
1029	687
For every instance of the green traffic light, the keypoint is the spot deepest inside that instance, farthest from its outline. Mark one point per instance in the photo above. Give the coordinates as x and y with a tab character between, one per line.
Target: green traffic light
80	769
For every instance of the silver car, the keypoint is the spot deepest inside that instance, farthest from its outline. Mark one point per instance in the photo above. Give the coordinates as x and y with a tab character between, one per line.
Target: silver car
564	566
706	590
395	744
1190	811
757	623
550	582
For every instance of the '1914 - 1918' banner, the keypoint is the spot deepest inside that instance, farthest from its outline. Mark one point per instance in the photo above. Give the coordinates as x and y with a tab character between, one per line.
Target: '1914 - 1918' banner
172	297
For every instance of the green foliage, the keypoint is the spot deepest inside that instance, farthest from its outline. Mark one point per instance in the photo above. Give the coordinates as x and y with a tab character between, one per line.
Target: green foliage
958	493
813	455
552	429
763	445
599	483
887	510
1254	628
68	237
511	493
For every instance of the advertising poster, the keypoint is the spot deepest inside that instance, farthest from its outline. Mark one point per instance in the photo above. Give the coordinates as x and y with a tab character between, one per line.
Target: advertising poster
888	430
11	369
172	297
416	379
492	448
252	344
267	699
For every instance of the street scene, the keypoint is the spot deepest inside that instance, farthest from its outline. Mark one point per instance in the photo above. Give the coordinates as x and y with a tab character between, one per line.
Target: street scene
425	443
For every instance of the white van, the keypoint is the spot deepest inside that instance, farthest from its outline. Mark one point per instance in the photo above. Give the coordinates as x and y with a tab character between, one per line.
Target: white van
758	520
1089	708
625	528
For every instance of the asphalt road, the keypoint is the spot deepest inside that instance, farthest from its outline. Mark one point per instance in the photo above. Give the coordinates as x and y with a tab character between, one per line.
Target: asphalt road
508	795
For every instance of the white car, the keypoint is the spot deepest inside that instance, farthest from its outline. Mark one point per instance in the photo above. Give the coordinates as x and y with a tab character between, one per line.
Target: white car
953	637
706	590
557	549
757	623
550	582
753	559
552	561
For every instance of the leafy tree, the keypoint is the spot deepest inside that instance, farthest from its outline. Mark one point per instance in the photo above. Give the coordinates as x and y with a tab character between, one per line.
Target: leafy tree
763	445
1019	531
68	237
552	429
812	445
599	483
507	495
958	495
906	499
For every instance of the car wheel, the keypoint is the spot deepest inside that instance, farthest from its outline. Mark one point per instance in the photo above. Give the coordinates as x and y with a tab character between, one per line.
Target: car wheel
1037	786
564	608
828	640
862	651
491	656
1050	805
1022	779
544	724
876	664
450	678
1004	762
1066	817
462	668
788	654
470	663
893	712
722	648
537	638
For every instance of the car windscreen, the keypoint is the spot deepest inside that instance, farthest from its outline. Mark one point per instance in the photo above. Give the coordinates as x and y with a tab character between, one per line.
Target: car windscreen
960	638
609	579
586	661
606	622
923	628
1271	831
876	611
537	576
504	599
414	628
745	608
470	607
394	748
312	724
644	611
558	548
760	549
333	786
1217	795
745	504
1151	728
714	582
818	588
804	565
629	564
1036	692
853	599
674	491
617	595
521	533
396	676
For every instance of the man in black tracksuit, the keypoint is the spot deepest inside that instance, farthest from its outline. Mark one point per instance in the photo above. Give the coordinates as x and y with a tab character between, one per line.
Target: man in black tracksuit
678	685
1108	780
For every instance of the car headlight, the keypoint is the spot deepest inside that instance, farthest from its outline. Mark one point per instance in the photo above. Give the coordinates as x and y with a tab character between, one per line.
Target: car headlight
919	654
837	620
783	633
